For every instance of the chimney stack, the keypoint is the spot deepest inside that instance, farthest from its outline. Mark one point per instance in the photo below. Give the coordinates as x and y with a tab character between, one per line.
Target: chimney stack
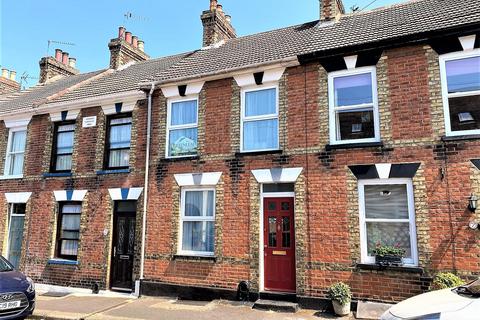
217	25
126	48
7	82
60	65
331	9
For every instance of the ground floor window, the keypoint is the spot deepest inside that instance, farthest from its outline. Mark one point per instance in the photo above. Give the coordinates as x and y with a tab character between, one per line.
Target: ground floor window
68	230
197	225
15	233
387	217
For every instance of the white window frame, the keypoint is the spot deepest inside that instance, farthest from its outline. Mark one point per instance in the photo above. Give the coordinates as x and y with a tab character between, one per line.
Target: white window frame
10	215
333	129
195	219
365	258
271	116
8	153
443	59
182	126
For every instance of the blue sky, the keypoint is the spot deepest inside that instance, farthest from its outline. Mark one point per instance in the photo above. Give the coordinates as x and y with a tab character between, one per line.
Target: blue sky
167	27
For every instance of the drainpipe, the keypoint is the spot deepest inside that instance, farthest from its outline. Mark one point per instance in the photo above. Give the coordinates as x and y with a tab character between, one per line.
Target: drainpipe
145	192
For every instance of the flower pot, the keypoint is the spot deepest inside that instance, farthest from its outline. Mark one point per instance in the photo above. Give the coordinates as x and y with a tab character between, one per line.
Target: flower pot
341	309
388	260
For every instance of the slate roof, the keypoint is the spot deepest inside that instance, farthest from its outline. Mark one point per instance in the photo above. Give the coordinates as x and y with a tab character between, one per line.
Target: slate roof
29	99
400	20
122	80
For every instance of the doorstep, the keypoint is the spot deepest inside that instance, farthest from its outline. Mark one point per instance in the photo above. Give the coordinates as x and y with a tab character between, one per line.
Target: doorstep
275	305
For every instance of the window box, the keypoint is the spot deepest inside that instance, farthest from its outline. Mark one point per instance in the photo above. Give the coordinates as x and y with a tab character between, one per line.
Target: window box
376	267
388	260
353	106
460	77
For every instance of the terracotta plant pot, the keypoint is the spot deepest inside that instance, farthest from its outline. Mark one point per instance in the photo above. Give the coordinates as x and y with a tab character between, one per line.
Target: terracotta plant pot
341	310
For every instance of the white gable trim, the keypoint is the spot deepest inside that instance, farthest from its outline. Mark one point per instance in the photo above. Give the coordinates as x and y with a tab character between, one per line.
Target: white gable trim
125	193
467	42
17	122
71	115
69	195
192	89
277	175
351	61
17	197
198	179
269	76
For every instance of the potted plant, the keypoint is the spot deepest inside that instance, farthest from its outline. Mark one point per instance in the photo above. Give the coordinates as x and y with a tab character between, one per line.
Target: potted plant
445	280
341	298
386	255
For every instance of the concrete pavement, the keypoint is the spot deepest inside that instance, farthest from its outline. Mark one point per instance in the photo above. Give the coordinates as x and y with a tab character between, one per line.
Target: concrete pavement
79	306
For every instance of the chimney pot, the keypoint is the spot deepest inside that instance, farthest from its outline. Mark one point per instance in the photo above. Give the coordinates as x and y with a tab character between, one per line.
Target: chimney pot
121	32
13	74
58	55
128	37
213	5
72	62
141	45
135	41
65	58
219	8
228	18
5	73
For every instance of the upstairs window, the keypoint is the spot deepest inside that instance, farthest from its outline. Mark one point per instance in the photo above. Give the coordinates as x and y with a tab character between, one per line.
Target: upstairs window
198	222
260	120
460	73
68	230
353	106
119	132
63	147
182	128
15	152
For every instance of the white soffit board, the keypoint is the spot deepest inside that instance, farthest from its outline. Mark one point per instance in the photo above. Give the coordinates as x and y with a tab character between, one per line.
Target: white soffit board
198	179
270	75
351	61
277	175
71	115
383	170
19	122
467	42
17	197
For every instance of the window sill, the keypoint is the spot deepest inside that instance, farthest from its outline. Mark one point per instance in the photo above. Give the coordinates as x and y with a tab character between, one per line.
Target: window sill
406	269
115	171
186	257
358	145
461	137
186	158
63	262
257	153
11	177
57	174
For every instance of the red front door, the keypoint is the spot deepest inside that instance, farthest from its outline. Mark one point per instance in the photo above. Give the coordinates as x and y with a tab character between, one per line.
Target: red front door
279	244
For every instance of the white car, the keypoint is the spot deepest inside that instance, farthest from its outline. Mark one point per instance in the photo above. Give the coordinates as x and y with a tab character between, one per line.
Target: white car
461	303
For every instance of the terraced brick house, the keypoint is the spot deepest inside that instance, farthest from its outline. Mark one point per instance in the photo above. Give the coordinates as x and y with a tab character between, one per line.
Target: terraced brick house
280	159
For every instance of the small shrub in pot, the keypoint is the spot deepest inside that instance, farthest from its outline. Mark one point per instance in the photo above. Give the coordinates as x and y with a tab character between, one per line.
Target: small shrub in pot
341	298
